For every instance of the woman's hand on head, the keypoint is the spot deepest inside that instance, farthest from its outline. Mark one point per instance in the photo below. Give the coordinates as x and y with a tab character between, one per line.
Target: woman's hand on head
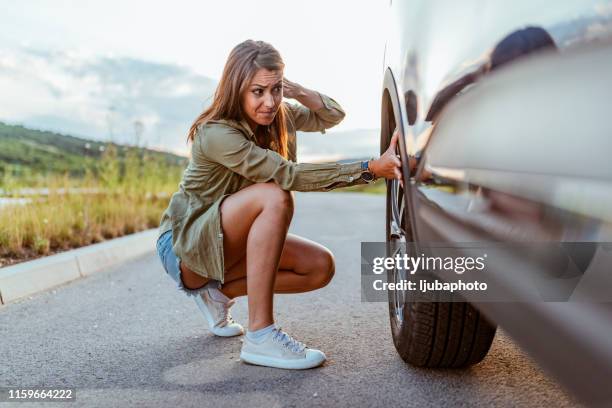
389	165
291	89
307	97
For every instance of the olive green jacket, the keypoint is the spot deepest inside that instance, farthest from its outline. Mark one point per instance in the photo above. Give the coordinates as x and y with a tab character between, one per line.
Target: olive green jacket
225	159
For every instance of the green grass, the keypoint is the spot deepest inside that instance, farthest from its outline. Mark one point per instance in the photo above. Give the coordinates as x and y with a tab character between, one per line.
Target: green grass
32	156
90	199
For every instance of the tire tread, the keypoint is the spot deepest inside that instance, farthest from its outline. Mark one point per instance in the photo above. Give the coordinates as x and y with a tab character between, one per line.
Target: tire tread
442	334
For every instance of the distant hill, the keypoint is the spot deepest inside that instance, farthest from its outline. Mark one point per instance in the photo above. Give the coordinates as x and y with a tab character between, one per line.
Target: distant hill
24	150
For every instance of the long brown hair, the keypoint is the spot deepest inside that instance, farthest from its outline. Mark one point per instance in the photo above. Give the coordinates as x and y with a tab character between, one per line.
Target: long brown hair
243	62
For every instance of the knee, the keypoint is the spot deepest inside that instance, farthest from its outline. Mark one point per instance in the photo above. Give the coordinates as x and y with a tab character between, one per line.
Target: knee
276	199
325	267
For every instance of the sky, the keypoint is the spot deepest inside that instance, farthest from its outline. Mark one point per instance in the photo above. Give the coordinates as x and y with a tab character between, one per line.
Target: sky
95	68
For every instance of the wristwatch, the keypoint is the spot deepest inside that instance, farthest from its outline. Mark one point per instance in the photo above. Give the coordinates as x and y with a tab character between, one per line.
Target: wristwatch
366	174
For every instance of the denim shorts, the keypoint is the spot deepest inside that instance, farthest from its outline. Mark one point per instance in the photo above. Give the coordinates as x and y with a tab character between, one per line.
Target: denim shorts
171	264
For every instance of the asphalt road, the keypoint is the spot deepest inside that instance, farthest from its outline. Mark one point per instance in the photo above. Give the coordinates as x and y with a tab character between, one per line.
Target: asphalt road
126	337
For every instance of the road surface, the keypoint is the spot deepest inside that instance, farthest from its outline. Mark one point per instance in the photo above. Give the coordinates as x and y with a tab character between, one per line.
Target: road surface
126	337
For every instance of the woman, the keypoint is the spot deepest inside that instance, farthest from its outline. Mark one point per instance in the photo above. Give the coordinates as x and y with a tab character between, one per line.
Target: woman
224	233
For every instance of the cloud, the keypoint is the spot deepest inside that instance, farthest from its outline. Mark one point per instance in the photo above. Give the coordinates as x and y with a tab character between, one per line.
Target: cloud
604	10
100	97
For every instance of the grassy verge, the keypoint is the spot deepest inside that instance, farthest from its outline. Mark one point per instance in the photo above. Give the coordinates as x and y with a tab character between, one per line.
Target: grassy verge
126	195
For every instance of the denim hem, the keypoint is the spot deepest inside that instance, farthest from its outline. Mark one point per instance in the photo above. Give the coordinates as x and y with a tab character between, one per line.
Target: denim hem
194	292
173	266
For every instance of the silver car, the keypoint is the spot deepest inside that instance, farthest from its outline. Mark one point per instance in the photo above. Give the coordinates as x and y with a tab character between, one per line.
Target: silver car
503	112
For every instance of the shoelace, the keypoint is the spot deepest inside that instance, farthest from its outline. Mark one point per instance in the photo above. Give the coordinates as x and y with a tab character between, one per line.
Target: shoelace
227	316
288	341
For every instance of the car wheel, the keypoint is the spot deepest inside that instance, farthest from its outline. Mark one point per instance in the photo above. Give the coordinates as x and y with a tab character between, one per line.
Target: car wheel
427	333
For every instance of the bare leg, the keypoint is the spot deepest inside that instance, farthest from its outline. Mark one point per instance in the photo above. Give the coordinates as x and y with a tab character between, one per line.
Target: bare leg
304	266
192	280
255	222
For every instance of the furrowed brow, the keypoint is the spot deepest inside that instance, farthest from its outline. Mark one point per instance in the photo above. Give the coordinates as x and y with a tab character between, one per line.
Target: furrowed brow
263	86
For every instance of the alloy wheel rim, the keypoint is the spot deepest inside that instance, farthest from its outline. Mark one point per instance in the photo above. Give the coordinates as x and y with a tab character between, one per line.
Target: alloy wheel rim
398	245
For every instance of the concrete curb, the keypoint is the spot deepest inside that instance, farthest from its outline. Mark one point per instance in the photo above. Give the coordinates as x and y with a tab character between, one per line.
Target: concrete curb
31	277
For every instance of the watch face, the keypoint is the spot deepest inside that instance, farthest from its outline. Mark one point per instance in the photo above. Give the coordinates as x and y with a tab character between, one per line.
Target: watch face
367	176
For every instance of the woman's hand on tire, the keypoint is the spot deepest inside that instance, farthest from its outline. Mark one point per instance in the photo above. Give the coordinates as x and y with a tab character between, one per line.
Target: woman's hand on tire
389	164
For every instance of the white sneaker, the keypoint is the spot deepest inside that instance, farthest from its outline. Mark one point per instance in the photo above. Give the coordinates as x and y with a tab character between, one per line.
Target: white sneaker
280	350
217	314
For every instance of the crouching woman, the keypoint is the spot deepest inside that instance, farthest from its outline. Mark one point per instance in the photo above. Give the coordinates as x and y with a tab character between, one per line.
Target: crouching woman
224	233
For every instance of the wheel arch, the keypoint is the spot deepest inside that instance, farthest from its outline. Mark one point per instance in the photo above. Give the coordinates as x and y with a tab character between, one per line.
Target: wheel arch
392	108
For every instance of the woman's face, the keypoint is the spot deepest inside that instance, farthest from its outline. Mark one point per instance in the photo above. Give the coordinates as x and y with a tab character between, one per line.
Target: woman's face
263	97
